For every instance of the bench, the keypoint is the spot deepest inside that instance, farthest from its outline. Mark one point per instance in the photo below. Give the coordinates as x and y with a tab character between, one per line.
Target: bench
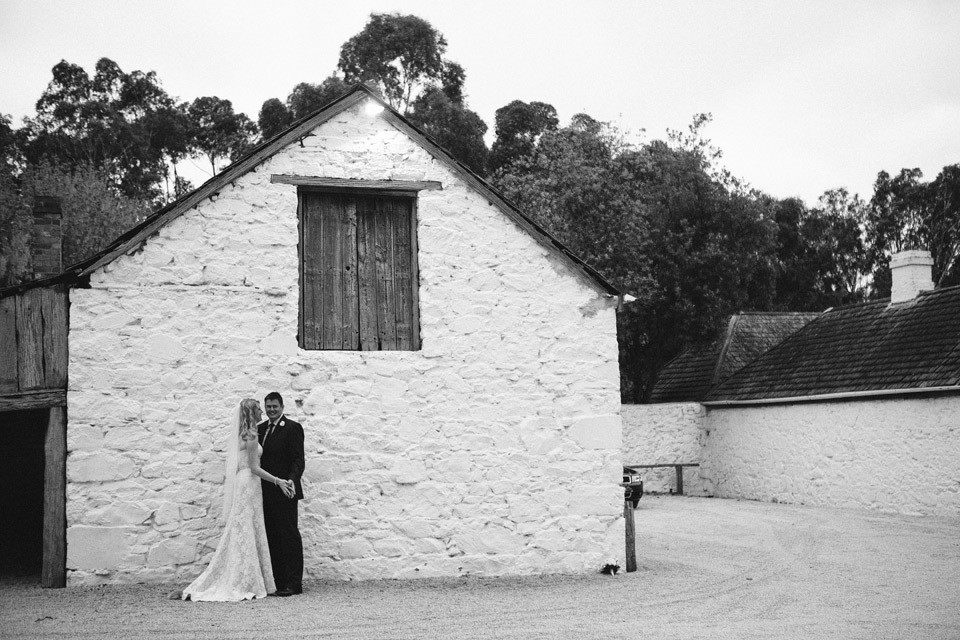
676	465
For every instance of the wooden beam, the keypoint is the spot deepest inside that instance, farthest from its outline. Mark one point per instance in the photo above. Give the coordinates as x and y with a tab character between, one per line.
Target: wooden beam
631	536
34	399
360	185
53	571
30	339
415	276
54	301
662	464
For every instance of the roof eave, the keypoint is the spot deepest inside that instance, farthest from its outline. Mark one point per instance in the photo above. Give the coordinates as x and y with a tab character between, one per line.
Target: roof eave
830	397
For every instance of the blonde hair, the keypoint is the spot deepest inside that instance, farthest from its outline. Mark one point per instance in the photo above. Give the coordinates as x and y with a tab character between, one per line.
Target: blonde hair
249	417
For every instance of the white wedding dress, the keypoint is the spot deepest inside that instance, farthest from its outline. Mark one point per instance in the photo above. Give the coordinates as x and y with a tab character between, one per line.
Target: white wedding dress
240	569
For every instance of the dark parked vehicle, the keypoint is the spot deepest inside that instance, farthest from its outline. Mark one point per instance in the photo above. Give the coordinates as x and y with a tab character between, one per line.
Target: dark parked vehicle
632	486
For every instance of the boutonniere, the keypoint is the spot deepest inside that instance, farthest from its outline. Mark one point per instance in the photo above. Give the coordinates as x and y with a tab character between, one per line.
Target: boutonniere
282	423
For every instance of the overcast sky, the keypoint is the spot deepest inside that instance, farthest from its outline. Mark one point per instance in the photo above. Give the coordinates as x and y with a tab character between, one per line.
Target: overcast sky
805	96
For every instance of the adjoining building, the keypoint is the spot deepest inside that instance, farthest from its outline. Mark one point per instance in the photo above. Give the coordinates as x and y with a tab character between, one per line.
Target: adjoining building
858	408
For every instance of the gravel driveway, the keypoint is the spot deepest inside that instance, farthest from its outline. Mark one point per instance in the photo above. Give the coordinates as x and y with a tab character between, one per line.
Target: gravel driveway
708	569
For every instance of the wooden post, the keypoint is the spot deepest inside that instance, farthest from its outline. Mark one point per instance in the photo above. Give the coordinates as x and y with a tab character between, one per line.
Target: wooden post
679	468
54	566
631	542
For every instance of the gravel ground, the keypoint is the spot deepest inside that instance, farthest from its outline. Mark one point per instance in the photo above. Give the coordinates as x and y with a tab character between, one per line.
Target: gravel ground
708	569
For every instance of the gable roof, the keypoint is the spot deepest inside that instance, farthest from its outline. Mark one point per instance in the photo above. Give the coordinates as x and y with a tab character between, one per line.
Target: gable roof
136	236
690	376
874	348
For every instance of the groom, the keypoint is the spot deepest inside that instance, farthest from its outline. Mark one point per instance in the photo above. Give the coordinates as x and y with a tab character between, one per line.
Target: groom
282	442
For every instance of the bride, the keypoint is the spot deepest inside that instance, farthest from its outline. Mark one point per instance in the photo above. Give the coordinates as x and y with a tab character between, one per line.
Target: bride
240	569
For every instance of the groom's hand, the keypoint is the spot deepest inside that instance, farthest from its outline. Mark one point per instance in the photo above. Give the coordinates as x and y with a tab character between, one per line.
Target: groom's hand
288	488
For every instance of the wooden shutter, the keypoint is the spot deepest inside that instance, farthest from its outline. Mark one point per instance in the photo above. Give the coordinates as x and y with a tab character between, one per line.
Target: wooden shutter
358	272
328	267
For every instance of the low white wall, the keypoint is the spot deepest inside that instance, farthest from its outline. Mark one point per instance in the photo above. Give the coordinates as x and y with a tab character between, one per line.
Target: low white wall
664	433
898	455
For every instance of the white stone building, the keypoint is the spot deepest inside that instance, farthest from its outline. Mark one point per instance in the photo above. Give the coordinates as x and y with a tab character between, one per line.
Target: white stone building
860	408
459	388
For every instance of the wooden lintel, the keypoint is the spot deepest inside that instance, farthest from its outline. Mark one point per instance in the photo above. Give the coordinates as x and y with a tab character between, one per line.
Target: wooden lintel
351	183
36	399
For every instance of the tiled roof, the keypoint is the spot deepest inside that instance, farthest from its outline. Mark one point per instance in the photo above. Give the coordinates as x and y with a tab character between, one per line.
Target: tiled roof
689	376
870	347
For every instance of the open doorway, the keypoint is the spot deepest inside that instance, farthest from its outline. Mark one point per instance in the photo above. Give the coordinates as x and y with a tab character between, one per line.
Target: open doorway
22	493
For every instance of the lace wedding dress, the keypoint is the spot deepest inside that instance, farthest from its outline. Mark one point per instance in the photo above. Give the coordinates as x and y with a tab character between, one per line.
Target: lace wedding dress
240	569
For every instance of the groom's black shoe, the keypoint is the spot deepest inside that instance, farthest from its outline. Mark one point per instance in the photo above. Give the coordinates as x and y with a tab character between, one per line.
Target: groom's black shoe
285	592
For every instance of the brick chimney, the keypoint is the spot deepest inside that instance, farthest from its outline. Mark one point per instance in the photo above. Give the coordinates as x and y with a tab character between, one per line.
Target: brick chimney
912	273
46	244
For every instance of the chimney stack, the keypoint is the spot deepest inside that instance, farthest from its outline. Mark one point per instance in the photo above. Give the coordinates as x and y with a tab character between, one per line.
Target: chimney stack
46	243
912	272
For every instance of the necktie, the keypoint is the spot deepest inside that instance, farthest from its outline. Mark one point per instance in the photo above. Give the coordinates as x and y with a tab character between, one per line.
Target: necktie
269	431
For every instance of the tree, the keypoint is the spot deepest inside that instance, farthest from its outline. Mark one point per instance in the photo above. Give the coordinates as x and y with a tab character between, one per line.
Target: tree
172	132
657	222
821	260
944	225
307	98
218	131
304	99
907	213
9	150
274	117
518	126
453	126
452	79
110	121
14	232
402	55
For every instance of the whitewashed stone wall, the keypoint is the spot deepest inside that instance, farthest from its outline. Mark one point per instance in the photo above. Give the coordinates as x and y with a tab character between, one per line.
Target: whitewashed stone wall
494	450
665	433
898	455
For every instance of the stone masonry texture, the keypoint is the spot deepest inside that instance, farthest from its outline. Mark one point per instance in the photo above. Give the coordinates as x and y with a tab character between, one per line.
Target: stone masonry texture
897	455
889	455
493	450
665	433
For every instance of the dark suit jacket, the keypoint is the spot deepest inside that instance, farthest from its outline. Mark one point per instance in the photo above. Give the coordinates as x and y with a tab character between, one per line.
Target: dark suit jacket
282	456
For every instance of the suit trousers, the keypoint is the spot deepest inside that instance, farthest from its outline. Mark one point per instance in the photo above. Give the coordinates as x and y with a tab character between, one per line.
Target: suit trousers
284	541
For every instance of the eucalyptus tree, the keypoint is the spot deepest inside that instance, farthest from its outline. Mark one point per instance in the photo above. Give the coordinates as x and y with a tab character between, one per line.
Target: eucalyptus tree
402	55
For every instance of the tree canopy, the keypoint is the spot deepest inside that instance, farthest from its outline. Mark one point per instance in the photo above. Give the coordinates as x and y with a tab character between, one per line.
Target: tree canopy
304	99
400	57
663	220
122	122
400	54
907	213
218	131
518	126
